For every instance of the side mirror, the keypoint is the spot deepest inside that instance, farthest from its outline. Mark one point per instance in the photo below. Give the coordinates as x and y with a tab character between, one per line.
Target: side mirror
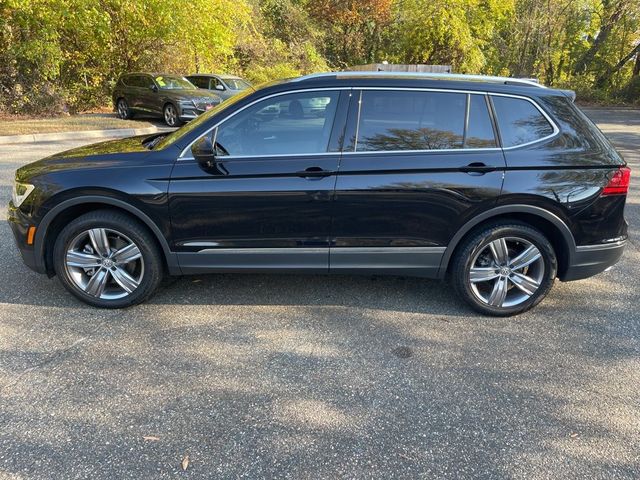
154	88
219	87
202	151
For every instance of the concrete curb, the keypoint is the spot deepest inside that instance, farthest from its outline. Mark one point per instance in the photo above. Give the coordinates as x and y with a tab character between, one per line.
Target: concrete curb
87	134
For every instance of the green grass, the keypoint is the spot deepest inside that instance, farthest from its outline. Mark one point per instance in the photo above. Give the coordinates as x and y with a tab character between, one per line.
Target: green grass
17	125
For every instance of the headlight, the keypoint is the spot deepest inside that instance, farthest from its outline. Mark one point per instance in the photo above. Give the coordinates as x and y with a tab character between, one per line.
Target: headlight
20	192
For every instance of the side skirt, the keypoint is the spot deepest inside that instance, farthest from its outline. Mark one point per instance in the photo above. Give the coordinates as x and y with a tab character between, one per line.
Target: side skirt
409	261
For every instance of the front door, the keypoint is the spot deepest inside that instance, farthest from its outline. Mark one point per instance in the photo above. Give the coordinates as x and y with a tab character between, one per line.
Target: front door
265	202
420	164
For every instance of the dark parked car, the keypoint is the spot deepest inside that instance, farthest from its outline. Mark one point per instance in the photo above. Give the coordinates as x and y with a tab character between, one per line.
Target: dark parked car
168	96
501	185
224	85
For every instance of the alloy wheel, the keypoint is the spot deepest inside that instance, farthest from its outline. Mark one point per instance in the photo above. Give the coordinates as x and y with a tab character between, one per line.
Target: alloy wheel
506	272
104	263
123	110
170	115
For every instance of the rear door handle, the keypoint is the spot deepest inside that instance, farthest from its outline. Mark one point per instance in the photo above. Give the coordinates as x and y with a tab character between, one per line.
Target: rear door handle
477	168
314	172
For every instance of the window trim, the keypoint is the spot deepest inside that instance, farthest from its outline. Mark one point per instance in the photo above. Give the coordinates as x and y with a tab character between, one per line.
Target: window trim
492	115
185	154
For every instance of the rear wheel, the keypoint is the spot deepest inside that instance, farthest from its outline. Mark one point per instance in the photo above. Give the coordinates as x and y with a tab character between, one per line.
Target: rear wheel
504	269
107	259
124	112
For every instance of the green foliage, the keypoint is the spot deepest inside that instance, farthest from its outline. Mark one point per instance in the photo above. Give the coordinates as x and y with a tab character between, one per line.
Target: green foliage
58	55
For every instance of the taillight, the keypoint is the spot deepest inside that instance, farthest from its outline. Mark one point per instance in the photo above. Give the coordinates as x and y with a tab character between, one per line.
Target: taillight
619	183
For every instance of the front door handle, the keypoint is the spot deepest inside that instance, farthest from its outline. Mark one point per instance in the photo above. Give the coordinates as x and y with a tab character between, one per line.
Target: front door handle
314	172
477	168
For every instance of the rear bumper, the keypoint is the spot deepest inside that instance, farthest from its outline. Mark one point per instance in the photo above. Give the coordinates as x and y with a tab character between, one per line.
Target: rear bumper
590	260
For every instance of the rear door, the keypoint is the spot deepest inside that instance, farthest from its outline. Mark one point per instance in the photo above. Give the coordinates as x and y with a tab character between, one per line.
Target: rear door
265	202
418	164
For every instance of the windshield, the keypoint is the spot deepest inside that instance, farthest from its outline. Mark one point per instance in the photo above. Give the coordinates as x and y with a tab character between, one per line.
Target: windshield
236	83
194	124
169	82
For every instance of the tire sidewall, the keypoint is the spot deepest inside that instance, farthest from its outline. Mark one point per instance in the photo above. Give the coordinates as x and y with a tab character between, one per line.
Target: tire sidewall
479	241
122	224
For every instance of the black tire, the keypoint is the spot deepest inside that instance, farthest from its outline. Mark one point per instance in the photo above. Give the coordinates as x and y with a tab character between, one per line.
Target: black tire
123	110
170	115
149	273
470	254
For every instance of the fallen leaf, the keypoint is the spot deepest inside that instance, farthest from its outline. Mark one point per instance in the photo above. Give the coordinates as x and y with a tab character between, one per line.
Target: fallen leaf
185	461
151	438
574	435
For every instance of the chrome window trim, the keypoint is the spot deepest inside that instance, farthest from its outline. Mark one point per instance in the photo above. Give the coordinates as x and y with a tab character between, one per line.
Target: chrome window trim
431	152
556	129
233	114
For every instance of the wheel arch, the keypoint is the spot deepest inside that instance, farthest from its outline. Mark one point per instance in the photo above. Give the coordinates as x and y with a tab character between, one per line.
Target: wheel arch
53	222
554	228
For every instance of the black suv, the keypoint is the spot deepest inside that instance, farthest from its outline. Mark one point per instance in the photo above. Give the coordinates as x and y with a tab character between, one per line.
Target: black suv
500	184
171	97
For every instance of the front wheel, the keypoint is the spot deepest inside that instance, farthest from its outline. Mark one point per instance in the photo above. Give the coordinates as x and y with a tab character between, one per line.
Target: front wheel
171	116
504	269
107	259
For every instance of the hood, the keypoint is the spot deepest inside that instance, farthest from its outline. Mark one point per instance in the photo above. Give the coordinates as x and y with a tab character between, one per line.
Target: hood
109	153
197	94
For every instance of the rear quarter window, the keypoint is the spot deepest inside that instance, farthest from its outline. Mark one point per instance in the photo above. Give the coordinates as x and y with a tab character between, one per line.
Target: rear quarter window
520	121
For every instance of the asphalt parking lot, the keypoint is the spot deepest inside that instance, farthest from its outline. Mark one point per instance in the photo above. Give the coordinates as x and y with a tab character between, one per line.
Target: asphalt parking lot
255	376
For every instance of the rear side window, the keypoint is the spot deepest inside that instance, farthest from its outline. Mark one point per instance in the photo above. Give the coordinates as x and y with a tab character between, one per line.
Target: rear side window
404	120
136	81
519	121
200	82
480	132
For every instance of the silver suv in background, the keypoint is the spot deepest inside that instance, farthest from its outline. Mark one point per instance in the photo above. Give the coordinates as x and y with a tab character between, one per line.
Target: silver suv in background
226	86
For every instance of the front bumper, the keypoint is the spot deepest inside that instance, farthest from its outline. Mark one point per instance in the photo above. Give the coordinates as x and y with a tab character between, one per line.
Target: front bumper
590	260
188	112
20	223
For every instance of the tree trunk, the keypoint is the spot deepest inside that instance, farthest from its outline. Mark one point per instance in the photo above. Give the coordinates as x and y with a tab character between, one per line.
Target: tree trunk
604	78
636	67
583	63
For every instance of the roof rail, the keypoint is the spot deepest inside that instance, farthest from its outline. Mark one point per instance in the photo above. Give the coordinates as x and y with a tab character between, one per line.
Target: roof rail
432	76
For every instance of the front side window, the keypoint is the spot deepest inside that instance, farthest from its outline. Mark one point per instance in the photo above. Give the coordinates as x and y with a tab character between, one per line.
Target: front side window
519	121
236	83
289	124
215	83
420	120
